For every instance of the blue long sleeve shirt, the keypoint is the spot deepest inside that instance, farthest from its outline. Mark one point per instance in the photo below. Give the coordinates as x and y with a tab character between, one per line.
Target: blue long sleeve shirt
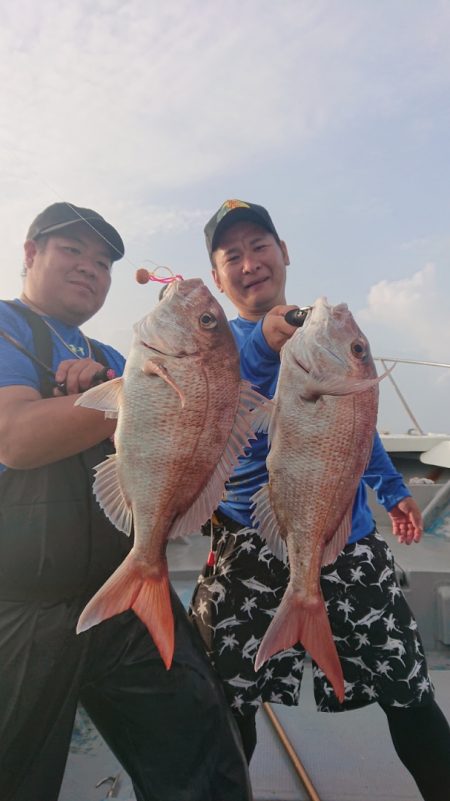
260	365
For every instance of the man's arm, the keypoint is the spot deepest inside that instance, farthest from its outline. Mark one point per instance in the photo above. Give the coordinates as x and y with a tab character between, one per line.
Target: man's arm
259	348
35	431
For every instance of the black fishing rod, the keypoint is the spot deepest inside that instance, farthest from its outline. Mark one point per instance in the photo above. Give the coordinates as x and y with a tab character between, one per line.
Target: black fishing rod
297	316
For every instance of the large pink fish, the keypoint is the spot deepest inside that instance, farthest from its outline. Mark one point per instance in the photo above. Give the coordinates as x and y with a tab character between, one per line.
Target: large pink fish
183	420
321	433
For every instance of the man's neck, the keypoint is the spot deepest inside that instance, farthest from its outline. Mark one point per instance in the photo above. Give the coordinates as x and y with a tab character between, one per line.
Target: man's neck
250	318
32	305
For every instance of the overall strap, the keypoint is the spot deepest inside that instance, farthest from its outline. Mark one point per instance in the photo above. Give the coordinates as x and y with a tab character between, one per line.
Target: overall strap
97	353
42	343
44	346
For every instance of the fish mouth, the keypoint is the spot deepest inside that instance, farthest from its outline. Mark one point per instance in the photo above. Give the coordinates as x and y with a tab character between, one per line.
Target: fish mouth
302	366
179	355
334	355
155	350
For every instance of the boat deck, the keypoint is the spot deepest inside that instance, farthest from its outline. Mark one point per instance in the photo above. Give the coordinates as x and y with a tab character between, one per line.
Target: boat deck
347	757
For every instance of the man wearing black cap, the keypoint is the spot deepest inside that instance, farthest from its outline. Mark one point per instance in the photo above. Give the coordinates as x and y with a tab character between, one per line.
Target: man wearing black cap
243	582
170	730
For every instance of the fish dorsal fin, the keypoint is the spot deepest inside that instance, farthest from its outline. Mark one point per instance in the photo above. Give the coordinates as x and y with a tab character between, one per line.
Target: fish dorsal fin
242	431
262	417
109	494
105	397
268	528
339	539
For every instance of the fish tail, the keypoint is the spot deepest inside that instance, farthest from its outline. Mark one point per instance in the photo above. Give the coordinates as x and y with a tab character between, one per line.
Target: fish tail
305	622
131	587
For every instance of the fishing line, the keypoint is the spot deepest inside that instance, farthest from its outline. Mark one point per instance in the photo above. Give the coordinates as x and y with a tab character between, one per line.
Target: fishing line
143	276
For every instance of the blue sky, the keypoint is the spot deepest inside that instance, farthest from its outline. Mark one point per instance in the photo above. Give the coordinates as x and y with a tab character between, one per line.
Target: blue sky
335	115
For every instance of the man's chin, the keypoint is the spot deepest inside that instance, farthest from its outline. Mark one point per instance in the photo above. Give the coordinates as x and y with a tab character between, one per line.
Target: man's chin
263	297
78	314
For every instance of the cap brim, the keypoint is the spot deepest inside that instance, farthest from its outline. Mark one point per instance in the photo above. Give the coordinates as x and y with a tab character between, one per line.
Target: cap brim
101	227
239	214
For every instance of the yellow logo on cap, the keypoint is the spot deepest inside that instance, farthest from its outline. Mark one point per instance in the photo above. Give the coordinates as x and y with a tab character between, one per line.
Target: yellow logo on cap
229	205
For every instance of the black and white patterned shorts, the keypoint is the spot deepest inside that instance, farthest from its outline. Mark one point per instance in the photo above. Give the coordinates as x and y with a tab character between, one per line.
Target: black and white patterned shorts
376	636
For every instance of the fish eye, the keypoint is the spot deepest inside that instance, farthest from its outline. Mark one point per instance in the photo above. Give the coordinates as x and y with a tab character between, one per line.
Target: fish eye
208	320
358	349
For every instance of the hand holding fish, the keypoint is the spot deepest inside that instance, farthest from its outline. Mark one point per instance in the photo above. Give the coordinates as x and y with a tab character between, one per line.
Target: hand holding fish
407	524
275	328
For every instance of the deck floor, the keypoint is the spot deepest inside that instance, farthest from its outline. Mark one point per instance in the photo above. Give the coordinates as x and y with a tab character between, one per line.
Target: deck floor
347	756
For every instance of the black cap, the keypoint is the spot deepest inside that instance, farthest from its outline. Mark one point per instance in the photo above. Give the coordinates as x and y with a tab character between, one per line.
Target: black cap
61	215
231	212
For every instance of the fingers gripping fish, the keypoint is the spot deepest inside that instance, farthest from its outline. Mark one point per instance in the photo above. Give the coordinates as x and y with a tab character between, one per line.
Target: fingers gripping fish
183	419
321	433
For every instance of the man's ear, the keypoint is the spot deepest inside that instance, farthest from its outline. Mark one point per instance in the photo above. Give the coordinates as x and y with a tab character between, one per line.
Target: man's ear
285	253
30	248
216	279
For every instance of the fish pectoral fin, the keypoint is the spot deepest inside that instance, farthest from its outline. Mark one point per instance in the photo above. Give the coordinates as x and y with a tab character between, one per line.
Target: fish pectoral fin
268	528
305	621
339	539
249	402
109	494
105	397
154	368
132	586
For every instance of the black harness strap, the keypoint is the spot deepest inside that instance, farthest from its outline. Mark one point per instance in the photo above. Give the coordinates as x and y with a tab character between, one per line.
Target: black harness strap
44	346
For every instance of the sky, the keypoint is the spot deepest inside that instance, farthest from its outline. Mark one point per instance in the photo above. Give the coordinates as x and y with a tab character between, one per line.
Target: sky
334	114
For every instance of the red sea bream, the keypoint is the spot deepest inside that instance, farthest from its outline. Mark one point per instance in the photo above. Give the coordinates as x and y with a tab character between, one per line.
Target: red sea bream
183	420
321	433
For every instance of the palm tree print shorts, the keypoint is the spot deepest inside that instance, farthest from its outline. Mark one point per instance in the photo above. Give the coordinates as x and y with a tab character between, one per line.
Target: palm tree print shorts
376	636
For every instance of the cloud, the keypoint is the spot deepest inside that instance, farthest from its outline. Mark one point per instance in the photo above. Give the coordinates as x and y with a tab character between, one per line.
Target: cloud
145	95
138	107
408	318
413	312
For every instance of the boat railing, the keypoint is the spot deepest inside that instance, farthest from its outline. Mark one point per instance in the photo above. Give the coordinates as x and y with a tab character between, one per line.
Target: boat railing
388	362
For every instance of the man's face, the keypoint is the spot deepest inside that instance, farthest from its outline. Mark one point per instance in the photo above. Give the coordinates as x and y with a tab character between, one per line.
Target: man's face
68	277
250	268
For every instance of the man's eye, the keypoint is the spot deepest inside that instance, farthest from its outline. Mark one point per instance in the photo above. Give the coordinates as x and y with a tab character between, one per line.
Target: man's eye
70	249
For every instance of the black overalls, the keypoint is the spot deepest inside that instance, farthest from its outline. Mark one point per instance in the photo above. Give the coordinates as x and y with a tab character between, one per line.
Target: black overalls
171	730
